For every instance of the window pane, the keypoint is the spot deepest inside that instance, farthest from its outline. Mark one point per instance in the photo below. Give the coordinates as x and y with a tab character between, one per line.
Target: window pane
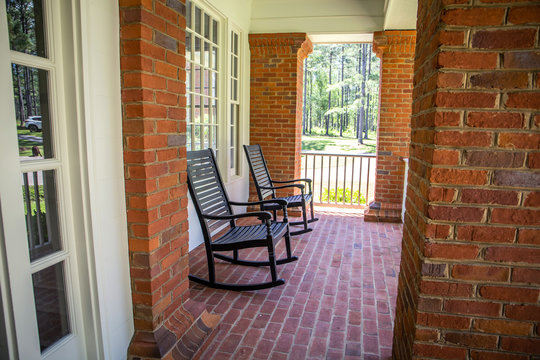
197	110
31	95
207	26
198	20
51	305
197	75
198	50
206	137
214	84
214	111
214	57
41	213
188	137
214	31
188	13
26	28
197	137
206	53
188	46
206	90
206	103
214	139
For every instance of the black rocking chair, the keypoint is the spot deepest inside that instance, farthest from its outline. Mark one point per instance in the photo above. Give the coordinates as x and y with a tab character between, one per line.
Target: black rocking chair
219	227
265	187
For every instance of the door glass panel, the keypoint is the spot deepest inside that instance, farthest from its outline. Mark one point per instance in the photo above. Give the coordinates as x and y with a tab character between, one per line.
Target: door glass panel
41	212
31	96
26	28
51	305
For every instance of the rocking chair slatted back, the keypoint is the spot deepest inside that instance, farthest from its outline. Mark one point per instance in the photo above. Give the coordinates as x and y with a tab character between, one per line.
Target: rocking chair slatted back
207	191
260	173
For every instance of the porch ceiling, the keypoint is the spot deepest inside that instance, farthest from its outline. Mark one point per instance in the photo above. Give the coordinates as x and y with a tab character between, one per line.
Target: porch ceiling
317	16
344	17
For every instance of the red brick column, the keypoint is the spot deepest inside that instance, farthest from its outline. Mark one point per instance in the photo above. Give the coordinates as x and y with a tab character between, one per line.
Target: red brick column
277	68
396	51
470	281
167	324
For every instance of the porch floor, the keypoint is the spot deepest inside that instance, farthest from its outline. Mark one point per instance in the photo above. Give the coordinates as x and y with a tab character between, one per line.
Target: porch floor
338	301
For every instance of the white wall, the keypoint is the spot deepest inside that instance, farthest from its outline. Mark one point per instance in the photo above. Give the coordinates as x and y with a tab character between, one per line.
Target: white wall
103	122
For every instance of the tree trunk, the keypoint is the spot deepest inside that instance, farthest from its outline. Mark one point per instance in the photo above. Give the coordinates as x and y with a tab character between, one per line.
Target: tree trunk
342	77
310	102
20	96
368	58
329	92
304	115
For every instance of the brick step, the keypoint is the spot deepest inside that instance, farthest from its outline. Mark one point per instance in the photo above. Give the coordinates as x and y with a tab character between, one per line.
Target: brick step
382	215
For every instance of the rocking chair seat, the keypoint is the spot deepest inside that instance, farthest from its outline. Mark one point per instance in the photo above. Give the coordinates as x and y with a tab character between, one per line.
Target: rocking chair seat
292	201
241	237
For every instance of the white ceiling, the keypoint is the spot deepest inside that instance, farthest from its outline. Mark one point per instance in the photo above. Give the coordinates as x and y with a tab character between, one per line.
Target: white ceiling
332	20
400	14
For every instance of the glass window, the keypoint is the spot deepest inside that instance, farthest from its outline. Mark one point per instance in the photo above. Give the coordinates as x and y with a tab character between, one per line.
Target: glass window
234	99
202	75
31	96
51	305
41	212
26	26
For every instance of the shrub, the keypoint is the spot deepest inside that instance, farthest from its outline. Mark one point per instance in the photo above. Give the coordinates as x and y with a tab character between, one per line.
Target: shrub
331	196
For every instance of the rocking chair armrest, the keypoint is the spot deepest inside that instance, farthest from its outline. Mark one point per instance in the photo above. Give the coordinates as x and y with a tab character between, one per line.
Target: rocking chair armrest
262	202
261	215
290	181
308	181
300	186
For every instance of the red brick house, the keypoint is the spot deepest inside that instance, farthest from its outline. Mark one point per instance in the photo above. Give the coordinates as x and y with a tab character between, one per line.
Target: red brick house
126	88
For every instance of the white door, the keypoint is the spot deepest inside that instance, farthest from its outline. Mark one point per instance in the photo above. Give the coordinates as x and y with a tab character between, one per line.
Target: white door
40	294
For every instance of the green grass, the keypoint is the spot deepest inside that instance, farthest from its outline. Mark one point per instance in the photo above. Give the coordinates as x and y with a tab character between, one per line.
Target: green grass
332	144
25	146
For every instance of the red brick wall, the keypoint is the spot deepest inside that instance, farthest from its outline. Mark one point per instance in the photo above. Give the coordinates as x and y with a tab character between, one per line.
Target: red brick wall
396	51
276	99
469	284
153	108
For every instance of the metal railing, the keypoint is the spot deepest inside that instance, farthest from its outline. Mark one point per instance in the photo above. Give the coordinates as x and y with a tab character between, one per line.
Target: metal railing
340	179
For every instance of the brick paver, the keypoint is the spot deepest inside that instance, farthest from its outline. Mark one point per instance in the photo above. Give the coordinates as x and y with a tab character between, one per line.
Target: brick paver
337	303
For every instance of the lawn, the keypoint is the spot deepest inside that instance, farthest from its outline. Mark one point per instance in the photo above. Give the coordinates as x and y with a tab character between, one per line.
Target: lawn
25	144
338	145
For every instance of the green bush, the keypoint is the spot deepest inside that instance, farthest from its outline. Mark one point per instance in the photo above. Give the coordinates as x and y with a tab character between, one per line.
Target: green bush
356	198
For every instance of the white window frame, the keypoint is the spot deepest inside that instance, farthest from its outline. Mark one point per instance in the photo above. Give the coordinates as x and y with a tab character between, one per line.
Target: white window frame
234	127
223	90
66	124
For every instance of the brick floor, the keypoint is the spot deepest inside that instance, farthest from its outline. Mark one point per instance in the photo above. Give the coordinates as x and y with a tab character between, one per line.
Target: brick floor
338	301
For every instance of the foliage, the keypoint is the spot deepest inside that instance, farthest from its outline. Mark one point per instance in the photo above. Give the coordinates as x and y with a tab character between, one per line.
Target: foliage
341	90
330	196
36	216
23	37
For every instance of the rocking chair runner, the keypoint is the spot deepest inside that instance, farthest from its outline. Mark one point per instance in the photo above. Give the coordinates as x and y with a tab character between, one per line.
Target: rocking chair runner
265	187
215	215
